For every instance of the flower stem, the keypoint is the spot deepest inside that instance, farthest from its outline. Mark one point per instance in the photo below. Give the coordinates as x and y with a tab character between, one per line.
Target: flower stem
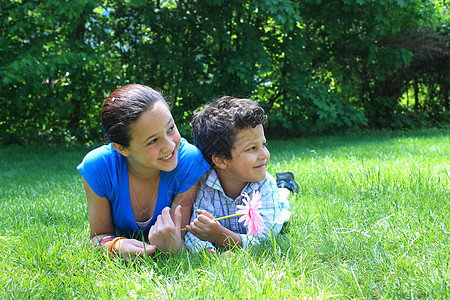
221	218
229	216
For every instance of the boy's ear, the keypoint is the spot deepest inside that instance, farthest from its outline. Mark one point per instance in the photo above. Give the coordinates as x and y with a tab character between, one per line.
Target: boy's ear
121	149
220	162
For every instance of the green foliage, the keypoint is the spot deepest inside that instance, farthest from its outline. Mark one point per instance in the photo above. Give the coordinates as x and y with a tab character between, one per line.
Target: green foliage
313	65
370	52
49	72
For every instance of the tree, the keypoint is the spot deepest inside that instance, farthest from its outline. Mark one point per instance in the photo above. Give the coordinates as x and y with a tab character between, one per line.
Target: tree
356	46
50	70
313	65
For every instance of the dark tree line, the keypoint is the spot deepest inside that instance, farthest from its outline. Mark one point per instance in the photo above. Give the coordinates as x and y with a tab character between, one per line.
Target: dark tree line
315	66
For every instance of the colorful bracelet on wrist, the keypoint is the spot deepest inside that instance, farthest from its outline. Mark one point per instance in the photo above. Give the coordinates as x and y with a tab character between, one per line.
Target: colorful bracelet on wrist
105	239
111	245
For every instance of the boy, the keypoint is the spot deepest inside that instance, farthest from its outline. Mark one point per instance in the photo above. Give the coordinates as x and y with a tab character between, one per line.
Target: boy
230	134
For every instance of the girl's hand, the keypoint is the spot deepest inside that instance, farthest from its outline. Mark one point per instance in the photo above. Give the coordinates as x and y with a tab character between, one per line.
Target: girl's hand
130	249
165	234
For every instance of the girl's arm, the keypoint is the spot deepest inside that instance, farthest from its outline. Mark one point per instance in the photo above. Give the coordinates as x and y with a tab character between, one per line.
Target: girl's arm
102	226
186	200
166	233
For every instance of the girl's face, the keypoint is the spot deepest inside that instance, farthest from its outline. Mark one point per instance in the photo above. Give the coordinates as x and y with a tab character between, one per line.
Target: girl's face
155	140
249	156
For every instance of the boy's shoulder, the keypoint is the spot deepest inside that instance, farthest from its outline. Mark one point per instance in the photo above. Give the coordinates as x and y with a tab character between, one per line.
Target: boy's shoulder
211	179
266	185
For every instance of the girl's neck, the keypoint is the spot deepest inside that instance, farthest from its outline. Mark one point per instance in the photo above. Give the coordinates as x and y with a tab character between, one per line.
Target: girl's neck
143	173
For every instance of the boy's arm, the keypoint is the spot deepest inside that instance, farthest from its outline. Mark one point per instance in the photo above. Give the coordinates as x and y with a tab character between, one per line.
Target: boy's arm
201	202
202	230
197	244
205	228
190	239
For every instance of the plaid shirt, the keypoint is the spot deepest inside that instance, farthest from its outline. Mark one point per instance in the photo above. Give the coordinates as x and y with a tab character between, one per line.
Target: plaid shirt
212	198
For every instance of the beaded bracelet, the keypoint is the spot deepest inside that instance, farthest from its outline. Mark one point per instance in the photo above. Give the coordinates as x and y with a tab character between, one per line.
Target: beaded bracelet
113	242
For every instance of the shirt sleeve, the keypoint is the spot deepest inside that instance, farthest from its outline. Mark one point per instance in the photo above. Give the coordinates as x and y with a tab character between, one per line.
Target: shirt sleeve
95	168
271	213
191	166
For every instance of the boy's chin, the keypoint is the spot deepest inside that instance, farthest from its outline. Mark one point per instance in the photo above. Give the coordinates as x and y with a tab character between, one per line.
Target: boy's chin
260	176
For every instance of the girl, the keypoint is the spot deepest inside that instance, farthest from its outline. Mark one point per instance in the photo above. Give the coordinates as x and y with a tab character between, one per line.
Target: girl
140	188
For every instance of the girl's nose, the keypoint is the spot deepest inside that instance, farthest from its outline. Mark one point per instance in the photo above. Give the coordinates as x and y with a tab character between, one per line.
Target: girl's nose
169	144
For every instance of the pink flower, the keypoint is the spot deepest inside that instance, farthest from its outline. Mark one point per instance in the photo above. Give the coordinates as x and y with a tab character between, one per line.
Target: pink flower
251	215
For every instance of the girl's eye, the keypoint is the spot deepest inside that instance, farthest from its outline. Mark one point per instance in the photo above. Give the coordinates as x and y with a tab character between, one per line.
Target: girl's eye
171	129
252	148
151	142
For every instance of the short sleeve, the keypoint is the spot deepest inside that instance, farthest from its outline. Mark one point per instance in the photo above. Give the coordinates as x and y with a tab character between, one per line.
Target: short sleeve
96	169
191	166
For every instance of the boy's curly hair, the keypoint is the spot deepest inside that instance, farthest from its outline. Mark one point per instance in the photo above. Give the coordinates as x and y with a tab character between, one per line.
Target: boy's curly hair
215	127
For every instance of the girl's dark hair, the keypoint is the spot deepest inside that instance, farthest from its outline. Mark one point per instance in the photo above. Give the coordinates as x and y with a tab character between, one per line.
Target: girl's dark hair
215	127
123	107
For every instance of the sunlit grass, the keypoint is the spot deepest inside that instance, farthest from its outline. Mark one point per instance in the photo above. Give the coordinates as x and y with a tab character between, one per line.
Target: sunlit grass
370	221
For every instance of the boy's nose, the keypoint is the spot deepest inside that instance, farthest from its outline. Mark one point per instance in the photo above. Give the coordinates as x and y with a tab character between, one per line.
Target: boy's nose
265	154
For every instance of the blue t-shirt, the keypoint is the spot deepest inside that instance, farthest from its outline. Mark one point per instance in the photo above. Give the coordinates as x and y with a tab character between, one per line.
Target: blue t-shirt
106	172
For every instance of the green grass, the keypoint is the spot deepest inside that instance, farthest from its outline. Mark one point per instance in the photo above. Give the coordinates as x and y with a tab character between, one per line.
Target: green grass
372	220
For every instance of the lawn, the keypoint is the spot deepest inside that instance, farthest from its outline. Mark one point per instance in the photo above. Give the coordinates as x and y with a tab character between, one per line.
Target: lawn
371	220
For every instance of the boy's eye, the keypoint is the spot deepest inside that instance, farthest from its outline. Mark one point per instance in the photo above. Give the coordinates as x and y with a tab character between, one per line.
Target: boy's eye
151	142
172	128
251	148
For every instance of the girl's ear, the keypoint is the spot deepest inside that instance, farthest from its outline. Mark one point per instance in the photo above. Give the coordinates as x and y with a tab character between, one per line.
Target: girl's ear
221	163
121	149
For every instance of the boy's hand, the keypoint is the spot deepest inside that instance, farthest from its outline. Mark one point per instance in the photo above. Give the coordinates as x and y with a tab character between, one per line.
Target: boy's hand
204	227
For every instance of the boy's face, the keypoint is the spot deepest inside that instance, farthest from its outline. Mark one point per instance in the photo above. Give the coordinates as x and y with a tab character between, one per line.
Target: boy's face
249	156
